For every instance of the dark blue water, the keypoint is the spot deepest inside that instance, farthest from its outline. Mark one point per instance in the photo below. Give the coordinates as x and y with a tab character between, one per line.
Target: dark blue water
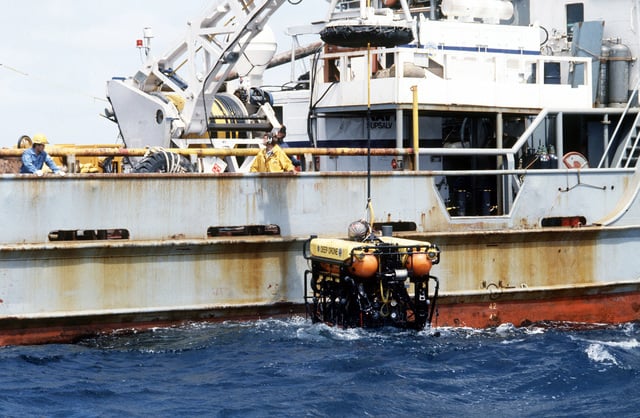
294	369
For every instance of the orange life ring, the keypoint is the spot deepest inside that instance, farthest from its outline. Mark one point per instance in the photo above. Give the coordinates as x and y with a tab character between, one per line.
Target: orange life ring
575	160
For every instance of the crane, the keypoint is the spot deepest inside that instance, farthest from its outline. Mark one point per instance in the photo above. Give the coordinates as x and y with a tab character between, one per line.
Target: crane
177	101
166	103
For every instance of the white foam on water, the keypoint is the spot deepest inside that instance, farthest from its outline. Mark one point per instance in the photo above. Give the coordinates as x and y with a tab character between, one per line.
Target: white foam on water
505	329
625	345
347	334
534	330
598	353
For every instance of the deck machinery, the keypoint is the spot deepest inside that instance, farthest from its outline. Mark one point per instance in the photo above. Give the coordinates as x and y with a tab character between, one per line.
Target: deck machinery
379	281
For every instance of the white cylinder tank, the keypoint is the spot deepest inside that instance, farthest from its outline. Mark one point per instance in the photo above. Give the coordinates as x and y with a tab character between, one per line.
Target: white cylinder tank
258	54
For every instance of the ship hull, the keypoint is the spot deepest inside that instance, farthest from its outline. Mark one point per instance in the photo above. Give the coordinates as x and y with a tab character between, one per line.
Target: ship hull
65	291
575	308
170	268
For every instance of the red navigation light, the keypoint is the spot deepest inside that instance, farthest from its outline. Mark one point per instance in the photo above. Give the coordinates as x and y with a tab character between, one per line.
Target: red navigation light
139	43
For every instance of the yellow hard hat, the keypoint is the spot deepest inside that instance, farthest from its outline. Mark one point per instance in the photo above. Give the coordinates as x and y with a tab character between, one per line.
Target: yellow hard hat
40	139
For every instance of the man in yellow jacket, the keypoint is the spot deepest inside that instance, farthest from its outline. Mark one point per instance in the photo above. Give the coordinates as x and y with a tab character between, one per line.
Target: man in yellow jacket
271	159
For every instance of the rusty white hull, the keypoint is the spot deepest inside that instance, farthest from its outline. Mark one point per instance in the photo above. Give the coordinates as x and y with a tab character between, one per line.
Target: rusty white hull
168	270
579	276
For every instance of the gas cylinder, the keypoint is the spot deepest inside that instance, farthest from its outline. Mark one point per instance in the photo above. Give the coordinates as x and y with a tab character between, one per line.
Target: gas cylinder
602	97
619	62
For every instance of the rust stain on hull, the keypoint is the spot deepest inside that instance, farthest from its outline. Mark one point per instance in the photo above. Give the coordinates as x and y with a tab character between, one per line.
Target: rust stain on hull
15	331
57	293
594	305
611	304
494	261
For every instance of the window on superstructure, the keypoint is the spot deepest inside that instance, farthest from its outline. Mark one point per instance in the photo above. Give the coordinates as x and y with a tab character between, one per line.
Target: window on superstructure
575	15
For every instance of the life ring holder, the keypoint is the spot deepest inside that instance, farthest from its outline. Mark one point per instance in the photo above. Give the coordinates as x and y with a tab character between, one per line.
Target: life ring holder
25	142
574	159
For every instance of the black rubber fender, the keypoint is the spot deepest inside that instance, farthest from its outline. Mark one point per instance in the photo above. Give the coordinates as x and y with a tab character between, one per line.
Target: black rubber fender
164	162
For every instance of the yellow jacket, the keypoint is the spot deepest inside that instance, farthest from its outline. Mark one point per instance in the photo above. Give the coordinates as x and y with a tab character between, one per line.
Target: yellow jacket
275	161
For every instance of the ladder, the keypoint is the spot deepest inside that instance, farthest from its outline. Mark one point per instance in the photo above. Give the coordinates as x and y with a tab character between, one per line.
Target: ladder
627	154
629	151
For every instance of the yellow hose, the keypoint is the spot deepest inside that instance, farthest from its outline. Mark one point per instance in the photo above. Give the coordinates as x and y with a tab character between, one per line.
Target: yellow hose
371	215
384	309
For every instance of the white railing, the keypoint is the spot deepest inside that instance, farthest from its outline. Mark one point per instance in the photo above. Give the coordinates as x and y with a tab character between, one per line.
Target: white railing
455	77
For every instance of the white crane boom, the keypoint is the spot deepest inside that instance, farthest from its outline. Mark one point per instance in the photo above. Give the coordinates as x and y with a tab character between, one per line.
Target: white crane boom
170	97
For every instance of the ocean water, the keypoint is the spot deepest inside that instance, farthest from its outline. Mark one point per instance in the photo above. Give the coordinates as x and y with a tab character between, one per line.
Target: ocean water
292	368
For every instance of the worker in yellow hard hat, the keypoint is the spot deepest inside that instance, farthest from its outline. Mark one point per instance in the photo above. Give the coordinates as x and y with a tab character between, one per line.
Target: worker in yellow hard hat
34	158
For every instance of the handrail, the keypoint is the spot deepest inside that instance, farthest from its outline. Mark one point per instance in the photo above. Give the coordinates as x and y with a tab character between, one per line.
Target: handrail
201	152
111	151
116	151
615	131
247	152
206	152
528	132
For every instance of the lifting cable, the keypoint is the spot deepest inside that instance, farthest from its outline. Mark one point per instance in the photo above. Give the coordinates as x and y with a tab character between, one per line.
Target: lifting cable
369	205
